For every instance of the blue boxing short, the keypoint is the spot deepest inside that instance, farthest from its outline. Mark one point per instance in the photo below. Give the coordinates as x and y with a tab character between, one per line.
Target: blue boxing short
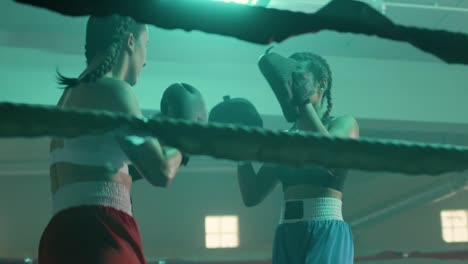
312	231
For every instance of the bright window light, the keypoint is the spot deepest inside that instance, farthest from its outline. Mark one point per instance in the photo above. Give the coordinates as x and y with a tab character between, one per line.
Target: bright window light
454	225
222	231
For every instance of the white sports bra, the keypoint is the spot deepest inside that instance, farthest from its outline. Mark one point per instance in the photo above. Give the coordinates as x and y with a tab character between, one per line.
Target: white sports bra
101	150
95	150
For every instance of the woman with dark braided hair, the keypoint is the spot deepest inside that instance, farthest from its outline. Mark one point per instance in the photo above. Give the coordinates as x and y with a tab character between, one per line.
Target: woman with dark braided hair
311	228
92	216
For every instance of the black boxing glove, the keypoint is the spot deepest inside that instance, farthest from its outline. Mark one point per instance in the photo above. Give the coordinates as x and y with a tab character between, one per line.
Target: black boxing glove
179	101
183	101
134	173
236	111
185	159
278	72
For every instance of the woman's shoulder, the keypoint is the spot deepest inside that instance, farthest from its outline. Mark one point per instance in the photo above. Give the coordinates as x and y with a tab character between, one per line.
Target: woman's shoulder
345	125
114	95
113	86
342	118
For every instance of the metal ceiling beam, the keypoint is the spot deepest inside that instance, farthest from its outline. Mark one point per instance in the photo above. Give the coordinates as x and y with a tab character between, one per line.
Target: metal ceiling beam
435	193
436	7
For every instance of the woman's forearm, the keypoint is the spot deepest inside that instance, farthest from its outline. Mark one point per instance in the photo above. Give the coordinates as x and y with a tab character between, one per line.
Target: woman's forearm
309	120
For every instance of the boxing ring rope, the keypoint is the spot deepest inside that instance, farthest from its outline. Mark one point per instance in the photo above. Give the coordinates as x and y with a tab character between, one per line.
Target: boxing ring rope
240	143
268	25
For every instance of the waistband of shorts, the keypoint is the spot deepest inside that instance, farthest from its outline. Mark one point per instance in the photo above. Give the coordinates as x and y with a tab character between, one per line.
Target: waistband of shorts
312	209
105	193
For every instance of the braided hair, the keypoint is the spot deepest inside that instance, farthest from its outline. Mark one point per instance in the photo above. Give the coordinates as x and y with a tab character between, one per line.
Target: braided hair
104	36
319	67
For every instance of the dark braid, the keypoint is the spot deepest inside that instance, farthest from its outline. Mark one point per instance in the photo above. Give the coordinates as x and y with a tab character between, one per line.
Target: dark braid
321	71
104	36
113	51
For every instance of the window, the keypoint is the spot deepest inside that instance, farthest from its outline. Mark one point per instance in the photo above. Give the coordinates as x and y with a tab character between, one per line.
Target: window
454	225
222	231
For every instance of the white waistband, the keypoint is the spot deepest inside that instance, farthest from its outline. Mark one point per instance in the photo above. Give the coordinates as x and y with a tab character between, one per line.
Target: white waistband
106	193
317	209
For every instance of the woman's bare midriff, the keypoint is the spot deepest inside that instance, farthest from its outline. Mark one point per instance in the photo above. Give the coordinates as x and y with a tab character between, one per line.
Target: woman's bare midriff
305	191
62	174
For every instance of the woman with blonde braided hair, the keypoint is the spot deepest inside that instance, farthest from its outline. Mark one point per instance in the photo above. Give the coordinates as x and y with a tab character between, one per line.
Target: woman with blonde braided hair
91	209
311	228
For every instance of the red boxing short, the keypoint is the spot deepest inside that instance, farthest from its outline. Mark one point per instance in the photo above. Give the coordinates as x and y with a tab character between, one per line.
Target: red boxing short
93	234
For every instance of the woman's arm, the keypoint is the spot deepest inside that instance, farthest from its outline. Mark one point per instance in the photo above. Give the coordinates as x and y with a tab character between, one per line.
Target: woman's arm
255	187
343	126
156	163
309	120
